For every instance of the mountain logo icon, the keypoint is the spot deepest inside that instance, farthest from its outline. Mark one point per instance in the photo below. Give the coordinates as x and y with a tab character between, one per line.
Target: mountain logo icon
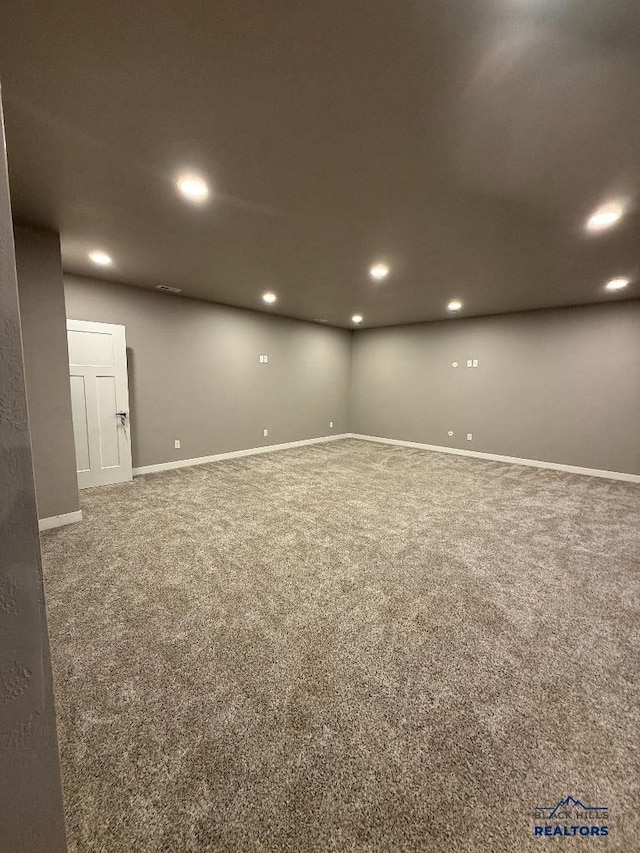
567	805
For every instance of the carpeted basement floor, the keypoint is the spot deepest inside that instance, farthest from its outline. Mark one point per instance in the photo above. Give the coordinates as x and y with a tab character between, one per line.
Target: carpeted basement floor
346	647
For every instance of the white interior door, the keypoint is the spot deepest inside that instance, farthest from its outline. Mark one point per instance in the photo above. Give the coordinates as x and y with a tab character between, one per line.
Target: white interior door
99	402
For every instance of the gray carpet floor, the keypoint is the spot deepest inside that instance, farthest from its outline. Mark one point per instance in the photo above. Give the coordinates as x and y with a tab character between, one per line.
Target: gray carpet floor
346	647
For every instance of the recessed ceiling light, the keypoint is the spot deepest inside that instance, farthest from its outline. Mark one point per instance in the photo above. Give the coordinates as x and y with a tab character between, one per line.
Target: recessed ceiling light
606	216
357	318
193	188
455	305
101	258
379	271
617	283
269	298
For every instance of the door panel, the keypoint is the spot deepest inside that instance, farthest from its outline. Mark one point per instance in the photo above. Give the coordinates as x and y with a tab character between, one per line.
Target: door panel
100	402
80	429
108	425
90	347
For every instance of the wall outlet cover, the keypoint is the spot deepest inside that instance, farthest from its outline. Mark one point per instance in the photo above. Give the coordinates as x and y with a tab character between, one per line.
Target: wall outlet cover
176	444
265	433
469	436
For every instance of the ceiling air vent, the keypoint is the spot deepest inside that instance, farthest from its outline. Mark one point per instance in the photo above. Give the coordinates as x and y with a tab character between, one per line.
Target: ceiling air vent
166	289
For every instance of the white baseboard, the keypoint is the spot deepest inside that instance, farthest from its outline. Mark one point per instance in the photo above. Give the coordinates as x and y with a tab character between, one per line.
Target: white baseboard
60	520
513	460
234	454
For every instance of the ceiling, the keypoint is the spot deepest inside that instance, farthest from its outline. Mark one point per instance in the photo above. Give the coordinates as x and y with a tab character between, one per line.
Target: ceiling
463	143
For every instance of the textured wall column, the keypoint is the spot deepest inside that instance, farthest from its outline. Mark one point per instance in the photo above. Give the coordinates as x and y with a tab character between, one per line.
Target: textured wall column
46	364
31	814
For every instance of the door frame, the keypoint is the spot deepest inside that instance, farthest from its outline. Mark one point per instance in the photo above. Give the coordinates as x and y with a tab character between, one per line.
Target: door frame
124	473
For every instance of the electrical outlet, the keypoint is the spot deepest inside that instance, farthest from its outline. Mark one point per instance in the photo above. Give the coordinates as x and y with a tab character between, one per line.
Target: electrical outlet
469	436
264	359
475	362
330	424
176	444
469	362
265	433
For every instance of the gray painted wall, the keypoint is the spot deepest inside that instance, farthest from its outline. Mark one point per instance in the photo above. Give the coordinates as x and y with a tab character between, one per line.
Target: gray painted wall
195	373
557	386
31	815
46	363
